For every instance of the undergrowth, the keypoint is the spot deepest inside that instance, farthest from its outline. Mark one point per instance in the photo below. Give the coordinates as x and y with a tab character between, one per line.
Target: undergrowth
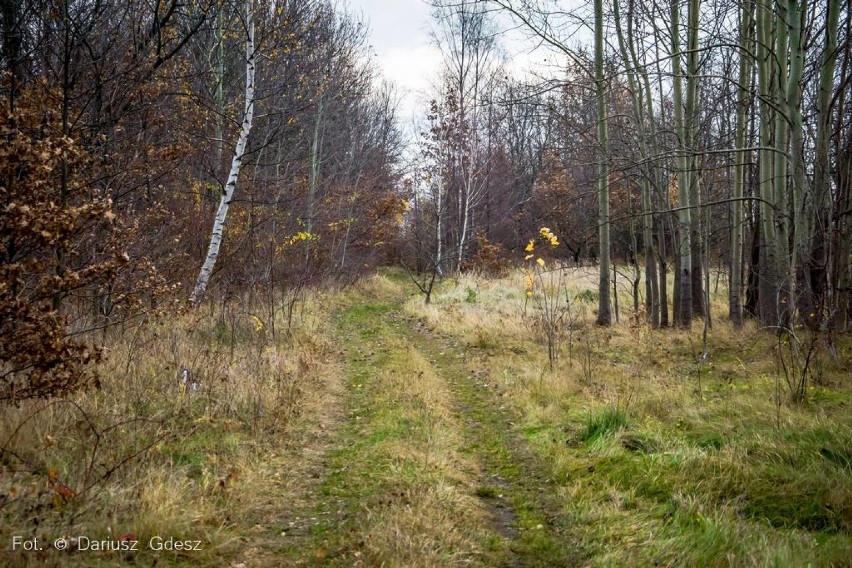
171	444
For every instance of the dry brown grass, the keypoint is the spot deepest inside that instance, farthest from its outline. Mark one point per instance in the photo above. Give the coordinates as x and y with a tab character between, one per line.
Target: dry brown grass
706	463
148	454
428	527
353	441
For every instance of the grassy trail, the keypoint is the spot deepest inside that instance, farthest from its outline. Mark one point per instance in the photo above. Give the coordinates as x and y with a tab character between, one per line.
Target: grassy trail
426	471
457	450
386	432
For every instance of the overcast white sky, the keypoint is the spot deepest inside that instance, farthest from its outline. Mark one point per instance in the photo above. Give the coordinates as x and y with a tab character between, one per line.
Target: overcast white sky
400	37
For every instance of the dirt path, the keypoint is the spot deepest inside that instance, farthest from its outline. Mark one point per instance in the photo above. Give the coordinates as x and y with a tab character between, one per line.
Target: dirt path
425	470
514	484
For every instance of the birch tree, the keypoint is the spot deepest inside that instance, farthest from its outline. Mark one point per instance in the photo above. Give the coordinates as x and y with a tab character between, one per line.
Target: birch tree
467	43
690	130
781	142
813	278
638	92
796	11
227	197
767	269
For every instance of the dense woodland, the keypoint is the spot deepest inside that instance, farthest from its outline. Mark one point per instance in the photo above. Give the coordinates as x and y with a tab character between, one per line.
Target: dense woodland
695	136
129	126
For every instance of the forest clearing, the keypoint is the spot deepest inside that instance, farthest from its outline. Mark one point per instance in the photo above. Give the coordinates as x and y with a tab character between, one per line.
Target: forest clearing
383	431
426	283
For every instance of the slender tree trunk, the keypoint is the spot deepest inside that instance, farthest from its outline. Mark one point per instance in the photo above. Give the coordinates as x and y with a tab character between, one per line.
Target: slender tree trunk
735	288
768	264
604	309
465	221
615	291
683	278
842	238
218	95
782	143
692	161
664	221
662	247
800	296
652	296
236	163
313	175
708	316
439	228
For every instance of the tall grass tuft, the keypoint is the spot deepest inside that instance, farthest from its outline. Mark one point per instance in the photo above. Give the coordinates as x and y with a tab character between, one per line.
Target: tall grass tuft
610	420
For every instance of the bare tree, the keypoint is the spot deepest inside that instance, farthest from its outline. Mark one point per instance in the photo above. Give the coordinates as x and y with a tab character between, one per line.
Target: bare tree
467	41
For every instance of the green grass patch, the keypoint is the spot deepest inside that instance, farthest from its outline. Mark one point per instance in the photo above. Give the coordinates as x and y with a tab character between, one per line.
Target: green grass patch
606	422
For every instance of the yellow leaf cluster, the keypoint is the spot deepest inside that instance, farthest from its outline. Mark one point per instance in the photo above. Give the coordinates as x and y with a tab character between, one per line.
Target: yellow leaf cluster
529	284
548	235
302	236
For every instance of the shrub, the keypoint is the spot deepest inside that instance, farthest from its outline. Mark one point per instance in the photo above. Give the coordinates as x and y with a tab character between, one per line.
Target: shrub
43	219
490	259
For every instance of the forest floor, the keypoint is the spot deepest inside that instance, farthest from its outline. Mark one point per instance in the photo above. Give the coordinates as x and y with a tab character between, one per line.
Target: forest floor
439	435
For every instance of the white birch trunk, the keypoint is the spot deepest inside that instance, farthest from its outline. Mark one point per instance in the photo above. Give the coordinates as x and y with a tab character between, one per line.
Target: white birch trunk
631	63
439	228
796	11
782	143
236	163
315	160
691	149
768	264
461	212
219	97
743	100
